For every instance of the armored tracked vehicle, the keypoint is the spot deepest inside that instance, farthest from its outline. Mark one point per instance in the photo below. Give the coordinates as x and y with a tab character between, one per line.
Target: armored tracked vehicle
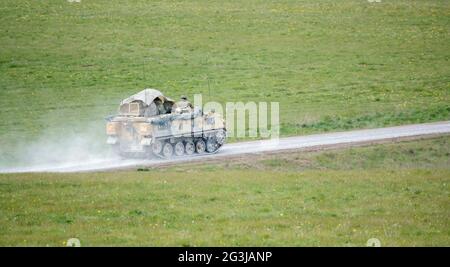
150	124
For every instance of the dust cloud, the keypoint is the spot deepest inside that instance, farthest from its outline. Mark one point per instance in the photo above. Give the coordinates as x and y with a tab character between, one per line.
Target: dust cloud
81	148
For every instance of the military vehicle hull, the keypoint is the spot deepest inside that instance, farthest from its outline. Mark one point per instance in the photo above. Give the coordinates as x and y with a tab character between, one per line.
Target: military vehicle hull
173	134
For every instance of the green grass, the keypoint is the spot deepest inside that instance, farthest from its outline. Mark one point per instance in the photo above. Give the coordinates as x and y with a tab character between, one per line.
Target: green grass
235	208
424	154
331	64
402	203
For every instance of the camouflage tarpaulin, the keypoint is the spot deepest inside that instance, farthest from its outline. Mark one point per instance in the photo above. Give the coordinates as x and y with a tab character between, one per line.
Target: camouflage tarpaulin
147	96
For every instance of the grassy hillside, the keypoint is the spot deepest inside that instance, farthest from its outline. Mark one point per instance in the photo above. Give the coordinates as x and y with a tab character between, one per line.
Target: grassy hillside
403	203
331	64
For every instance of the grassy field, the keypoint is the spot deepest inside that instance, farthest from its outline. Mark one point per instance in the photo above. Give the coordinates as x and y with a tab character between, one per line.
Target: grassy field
423	154
331	64
381	191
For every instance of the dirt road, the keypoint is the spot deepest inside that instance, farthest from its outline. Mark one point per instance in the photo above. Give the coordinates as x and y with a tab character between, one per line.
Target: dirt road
229	150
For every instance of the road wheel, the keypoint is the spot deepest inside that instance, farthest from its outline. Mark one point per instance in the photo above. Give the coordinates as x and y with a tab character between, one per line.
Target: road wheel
200	146
167	150
189	147
211	145
179	148
157	147
220	137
